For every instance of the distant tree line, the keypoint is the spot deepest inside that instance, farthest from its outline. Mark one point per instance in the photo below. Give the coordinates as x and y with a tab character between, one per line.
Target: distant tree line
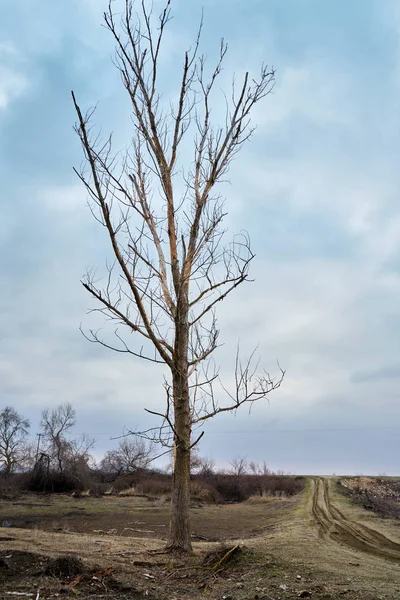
58	461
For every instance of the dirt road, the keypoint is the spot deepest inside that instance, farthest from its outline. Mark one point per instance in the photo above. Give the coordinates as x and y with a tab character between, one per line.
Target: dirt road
334	524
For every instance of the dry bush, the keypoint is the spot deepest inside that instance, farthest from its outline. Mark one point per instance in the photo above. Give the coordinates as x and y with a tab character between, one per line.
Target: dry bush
232	488
83	494
222	557
203	492
238	488
281	485
52	481
13	484
65	566
262	499
129	492
155	487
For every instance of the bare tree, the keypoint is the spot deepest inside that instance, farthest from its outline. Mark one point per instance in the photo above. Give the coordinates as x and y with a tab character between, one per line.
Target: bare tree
64	453
78	456
13	432
198	464
131	455
159	205
203	465
239	466
27	455
259	469
55	424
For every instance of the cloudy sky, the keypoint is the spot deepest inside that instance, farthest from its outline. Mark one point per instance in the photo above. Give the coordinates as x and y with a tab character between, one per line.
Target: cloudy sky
317	189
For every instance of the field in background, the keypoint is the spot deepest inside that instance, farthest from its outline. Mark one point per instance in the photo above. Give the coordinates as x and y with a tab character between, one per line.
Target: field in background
139	516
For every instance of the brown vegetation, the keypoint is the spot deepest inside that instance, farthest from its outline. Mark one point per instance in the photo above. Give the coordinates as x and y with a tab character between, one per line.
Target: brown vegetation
378	494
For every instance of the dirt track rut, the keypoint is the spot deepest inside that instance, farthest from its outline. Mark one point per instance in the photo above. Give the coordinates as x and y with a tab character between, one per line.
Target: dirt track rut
334	524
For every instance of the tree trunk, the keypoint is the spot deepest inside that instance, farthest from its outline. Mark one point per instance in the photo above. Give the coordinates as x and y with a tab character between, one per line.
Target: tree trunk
179	535
8	466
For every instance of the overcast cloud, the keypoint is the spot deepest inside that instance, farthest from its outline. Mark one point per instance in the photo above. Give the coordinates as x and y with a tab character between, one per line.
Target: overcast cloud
317	189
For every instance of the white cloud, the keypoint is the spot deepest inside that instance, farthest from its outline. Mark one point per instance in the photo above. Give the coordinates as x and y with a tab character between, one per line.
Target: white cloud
12	82
307	92
323	318
69	198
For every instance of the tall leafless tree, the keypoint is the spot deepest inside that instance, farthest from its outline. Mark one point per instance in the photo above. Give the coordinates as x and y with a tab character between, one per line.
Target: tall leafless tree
13	432
164	220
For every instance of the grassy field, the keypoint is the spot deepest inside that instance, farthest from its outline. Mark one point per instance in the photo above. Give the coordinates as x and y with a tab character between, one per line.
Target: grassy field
140	517
317	544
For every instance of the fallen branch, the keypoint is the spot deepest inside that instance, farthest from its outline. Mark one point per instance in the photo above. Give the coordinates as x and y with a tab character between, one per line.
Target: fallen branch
223	559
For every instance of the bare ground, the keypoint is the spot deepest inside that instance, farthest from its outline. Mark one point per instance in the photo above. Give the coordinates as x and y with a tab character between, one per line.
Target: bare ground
139	516
318	546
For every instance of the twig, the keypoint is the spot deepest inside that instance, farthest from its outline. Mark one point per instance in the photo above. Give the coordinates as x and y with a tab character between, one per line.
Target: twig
223	559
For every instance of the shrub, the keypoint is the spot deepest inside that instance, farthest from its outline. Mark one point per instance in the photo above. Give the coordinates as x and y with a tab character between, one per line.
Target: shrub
232	488
204	492
52	481
150	486
129	492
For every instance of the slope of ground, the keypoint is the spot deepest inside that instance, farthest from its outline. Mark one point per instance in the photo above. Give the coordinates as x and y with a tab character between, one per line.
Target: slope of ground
333	523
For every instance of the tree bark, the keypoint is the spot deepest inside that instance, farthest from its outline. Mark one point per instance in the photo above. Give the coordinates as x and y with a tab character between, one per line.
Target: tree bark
179	535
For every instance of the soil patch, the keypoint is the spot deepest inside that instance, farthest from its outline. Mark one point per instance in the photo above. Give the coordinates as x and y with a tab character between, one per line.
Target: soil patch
133	517
27	574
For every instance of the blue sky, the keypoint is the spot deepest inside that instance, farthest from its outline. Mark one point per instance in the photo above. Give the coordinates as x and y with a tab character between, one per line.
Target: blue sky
317	189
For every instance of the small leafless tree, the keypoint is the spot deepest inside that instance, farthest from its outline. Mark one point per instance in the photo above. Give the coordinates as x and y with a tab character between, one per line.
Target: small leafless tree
259	469
163	216
28	453
239	466
13	432
203	465
198	464
131	455
55	424
63	452
78	458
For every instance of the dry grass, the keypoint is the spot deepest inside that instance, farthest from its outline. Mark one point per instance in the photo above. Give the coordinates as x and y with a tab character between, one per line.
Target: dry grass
287	545
129	492
136	515
263	499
